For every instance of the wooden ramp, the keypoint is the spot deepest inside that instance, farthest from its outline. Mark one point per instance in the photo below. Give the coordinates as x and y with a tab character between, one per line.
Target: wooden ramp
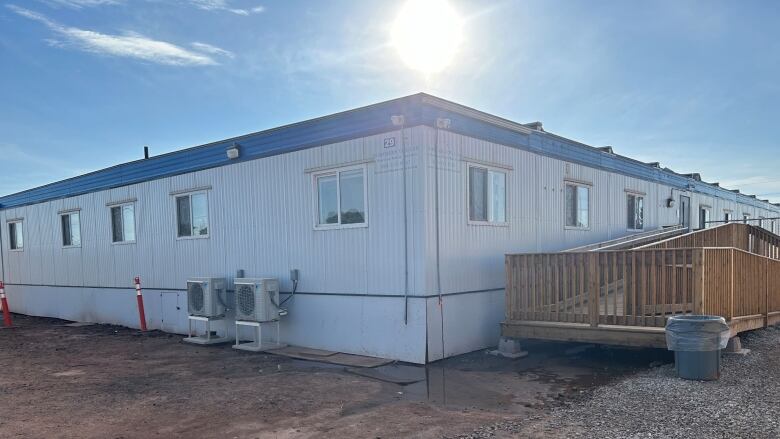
625	296
633	240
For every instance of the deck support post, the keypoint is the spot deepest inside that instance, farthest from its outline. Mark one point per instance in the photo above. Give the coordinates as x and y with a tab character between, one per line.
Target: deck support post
593	288
766	293
698	281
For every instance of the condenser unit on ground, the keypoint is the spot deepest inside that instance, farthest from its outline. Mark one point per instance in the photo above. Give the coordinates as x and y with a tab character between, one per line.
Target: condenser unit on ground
257	299
206	298
257	308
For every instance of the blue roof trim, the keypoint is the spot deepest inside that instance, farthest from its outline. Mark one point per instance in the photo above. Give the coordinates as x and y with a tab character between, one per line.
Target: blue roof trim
554	146
419	109
338	127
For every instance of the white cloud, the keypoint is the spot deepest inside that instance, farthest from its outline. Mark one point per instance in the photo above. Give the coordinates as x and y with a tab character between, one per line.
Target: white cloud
129	45
214	50
78	4
224	5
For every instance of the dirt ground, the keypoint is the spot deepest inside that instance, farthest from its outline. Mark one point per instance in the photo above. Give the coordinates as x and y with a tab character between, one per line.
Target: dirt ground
103	381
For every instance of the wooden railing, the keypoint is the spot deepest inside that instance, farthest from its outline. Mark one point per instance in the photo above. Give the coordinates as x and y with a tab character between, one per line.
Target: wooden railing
742	287
633	240
616	287
643	287
741	236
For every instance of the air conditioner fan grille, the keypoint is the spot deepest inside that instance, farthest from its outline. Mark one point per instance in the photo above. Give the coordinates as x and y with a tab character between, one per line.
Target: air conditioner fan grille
245	299
195	295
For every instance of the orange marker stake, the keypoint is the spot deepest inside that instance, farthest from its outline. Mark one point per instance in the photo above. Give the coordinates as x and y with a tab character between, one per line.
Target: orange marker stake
6	312
140	298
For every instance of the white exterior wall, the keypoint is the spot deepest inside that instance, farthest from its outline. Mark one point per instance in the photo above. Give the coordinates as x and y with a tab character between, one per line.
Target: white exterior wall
472	256
261	219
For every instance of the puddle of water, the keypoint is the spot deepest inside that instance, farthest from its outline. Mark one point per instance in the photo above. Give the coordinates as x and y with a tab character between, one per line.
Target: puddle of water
469	390
478	381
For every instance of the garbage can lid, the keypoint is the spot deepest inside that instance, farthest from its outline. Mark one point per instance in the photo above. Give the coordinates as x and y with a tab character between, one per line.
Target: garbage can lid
696	333
696	318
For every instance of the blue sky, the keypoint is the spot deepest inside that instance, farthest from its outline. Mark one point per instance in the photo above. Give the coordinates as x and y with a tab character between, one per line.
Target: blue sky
85	84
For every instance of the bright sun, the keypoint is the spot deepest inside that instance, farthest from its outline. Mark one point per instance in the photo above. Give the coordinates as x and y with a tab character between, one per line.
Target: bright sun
427	34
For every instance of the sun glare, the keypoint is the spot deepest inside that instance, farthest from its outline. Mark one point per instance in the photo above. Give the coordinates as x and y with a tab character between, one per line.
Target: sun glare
427	34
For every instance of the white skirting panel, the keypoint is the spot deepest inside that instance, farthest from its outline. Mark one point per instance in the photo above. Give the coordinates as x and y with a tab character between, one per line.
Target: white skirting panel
363	325
470	322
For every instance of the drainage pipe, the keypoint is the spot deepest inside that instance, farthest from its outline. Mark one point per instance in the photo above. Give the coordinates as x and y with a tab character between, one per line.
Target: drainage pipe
400	121
406	227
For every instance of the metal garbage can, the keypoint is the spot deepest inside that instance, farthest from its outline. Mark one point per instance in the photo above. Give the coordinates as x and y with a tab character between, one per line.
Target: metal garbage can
697	341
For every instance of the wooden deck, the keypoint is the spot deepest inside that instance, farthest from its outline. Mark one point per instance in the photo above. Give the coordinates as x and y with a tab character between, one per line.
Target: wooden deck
626	296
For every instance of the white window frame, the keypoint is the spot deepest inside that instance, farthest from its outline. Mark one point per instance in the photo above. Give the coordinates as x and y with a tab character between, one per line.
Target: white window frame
707	208
81	237
746	217
489	201
24	239
135	223
584	184
336	171
730	214
176	197
643	196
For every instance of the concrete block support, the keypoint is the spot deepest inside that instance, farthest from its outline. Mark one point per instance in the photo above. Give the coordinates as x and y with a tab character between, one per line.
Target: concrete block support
509	348
735	347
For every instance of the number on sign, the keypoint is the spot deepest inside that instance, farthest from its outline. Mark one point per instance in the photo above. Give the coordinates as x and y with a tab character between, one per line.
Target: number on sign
389	142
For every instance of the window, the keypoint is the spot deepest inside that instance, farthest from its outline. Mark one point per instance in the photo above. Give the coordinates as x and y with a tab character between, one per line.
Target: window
635	208
123	223
746	218
761	221
577	206
704	217
192	216
727	216
341	198
16	235
487	195
71	229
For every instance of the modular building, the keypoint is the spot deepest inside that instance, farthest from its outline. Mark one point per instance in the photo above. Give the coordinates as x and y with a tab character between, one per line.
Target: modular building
396	215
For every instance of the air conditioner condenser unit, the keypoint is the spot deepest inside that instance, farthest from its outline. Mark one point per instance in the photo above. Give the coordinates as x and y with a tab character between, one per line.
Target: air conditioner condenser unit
257	299
206	296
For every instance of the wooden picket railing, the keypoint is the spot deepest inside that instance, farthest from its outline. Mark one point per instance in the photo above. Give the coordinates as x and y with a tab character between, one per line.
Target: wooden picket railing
642	288
745	237
742	287
619	287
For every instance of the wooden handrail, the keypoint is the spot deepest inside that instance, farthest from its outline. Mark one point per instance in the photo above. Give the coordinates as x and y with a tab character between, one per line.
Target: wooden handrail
612	287
741	236
631	241
643	287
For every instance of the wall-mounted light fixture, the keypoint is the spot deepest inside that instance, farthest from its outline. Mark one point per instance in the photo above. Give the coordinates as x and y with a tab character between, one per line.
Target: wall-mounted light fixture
443	123
233	152
398	120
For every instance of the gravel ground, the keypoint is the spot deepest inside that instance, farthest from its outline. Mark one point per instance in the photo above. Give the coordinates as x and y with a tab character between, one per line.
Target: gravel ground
744	403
